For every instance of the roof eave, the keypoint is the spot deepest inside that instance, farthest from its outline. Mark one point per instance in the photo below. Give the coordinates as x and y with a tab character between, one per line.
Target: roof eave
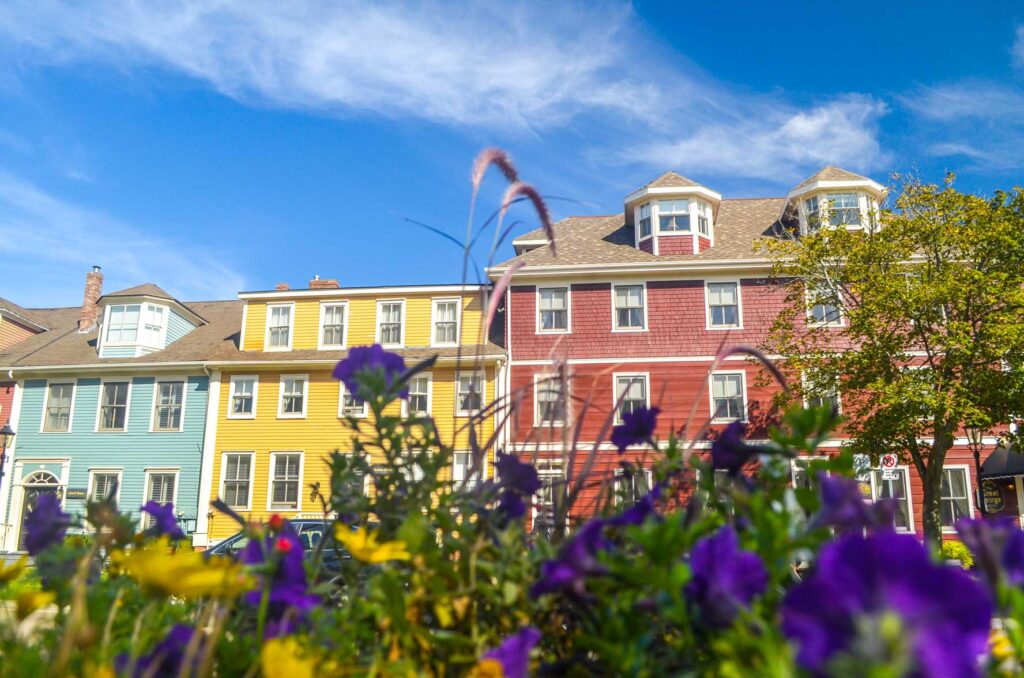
878	189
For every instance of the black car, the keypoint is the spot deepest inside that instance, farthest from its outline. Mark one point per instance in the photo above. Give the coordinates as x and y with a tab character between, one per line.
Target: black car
312	534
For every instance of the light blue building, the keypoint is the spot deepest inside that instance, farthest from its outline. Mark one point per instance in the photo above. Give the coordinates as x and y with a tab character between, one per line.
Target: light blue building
112	400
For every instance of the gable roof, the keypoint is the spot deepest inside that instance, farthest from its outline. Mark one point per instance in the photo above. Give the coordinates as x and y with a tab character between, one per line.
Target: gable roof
831	173
21	315
671	180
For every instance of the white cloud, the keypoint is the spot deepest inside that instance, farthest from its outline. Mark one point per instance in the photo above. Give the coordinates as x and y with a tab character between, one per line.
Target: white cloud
503	67
1018	48
48	244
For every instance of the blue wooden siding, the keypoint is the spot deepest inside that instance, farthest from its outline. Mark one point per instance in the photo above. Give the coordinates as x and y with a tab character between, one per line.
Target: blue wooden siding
133	451
177	327
118	352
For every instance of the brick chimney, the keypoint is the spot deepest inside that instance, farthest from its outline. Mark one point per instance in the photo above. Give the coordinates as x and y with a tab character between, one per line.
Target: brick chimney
282	287
328	284
90	310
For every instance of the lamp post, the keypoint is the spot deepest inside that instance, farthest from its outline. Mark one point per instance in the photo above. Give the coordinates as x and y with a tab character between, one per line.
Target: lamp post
6	439
975	438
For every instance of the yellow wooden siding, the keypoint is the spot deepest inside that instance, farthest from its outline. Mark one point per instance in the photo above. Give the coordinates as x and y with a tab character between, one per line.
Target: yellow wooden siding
12	333
362	320
316	436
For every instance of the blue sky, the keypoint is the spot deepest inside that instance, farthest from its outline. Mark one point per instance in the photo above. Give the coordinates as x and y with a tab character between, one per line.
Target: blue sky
225	146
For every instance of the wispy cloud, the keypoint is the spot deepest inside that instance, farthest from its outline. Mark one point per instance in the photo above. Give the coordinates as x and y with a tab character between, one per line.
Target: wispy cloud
1018	48
495	66
48	244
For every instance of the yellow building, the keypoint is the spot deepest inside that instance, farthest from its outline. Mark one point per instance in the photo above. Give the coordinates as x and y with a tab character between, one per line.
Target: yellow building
280	414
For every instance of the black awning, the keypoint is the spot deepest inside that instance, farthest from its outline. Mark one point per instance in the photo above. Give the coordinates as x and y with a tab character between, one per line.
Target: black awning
1003	463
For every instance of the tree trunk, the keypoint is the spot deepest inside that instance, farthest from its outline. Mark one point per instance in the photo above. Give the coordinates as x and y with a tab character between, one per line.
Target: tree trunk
931	505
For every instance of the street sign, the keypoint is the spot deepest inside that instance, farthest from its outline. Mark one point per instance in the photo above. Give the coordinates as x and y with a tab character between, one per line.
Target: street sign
888	461
890	474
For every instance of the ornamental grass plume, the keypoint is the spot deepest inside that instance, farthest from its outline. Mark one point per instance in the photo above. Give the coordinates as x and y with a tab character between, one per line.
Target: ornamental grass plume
185	574
363	545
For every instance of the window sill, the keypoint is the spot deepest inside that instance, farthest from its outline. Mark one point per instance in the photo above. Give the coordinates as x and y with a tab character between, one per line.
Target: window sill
111	430
628	330
241	417
728	421
554	332
52	433
276	349
671	233
166	430
720	328
291	416
332	347
549	424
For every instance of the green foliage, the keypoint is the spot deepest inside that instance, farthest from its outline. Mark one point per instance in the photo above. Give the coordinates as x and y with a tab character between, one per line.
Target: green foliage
956	550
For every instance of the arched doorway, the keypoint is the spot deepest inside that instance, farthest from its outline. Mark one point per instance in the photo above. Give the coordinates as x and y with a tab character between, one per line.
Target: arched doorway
34	486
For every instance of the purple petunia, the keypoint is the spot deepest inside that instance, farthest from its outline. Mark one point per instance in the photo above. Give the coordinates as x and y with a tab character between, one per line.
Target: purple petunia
577	561
366	360
280	556
844	508
640	511
165	659
164	522
998	548
725	577
45	524
516	479
730	452
945	614
514	653
637	427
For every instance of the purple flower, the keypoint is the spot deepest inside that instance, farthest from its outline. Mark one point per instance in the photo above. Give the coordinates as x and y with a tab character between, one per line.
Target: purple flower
363	361
577	561
730	451
638	512
725	578
164	522
511	506
843	507
998	548
514	653
637	427
166	658
45	524
515	475
280	557
945	614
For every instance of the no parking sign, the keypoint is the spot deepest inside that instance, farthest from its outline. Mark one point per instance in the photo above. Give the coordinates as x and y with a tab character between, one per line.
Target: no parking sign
889	467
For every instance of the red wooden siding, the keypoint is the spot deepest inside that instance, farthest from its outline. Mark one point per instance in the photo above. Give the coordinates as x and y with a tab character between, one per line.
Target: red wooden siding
675	244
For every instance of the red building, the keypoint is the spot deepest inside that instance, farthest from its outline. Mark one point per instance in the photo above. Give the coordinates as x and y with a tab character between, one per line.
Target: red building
635	307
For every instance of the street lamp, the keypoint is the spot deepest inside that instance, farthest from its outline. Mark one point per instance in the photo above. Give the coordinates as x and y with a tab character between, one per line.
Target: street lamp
6	440
975	439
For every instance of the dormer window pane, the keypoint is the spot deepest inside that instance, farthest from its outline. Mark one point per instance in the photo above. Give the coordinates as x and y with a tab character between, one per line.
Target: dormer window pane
554	308
124	324
844	209
674	215
391	323
812	214
703	219
280	326
446	322
644	219
153	324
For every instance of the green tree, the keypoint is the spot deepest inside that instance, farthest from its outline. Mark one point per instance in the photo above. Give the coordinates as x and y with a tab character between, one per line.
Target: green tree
931	294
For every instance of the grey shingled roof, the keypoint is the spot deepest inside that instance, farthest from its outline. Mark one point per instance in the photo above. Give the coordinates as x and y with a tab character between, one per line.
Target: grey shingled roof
831	173
143	290
671	180
20	313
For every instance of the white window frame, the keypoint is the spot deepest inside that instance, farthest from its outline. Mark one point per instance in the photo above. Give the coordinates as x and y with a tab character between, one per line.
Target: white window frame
457	482
621	473
971	491
434	303
616	405
430	393
252	475
638	215
704	211
281	414
707	304
127	406
689	216
643	298
46	401
459	412
156	471
324	305
568	308
341	404
106	323
404	321
806	381
551	378
808	460
910	529
160	341
291	326
231	395
744	406
270	480
547	468
107	471
152	406
809	308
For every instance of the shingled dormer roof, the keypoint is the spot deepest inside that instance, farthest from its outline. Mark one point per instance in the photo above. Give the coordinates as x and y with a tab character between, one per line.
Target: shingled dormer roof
671	180
831	173
143	290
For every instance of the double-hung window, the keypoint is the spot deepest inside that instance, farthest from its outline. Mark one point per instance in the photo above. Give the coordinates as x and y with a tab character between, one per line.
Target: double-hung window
332	322
630	393
286	469
673	215
123	324
237	485
446	322
168	401
293	391
419	395
349	405
631	484
723	304
104	485
643	214
462	465
955	496
57	417
469	393
550	401
727	402
552	477
553	307
893	484
820	392
152	325
812	214
113	406
824	308
243	397
279	326
389	322
629	307
844	209
159	488
704	219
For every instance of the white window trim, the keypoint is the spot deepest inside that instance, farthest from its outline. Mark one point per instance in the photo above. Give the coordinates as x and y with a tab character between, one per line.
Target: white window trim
127	405
280	396
643	295
568	308
971	490
796	461
711	396
615	391
252	475
46	400
707	305
119	472
483	392
324	305
291	327
805	380
157	470
430	394
270	480
380	304
547	468
620	473
231	395
910	529
538	377
433	320
161	341
866	204
106	324
809	307
656	216
152	406
341	404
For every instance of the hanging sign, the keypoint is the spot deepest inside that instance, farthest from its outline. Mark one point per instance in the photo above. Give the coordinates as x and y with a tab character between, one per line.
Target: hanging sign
992	496
74	493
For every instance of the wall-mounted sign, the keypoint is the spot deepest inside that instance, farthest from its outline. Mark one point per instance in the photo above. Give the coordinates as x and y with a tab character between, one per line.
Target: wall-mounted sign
889	461
74	493
992	496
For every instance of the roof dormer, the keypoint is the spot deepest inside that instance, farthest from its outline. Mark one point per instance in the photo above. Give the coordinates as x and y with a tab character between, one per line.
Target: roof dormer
835	198
140	320
673	215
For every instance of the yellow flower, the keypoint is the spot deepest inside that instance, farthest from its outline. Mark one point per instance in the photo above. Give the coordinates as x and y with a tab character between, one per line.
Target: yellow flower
362	544
30	601
13	571
487	668
282	658
99	671
186	573
1002	648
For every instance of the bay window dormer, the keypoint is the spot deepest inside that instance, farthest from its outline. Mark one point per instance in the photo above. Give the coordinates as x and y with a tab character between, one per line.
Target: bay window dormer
672	215
836	198
141	320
